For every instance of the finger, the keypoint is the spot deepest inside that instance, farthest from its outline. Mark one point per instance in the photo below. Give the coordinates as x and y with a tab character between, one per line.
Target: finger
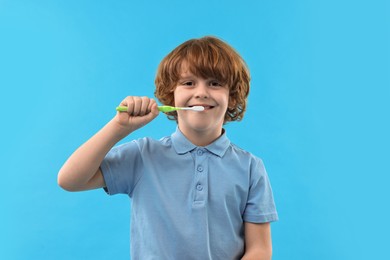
137	106
140	121
149	116
129	103
153	109
144	106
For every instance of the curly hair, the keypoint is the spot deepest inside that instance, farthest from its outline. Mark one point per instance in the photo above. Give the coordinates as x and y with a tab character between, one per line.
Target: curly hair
206	57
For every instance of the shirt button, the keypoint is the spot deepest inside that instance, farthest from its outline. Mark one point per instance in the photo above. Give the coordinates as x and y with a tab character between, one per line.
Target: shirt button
199	187
200	152
200	168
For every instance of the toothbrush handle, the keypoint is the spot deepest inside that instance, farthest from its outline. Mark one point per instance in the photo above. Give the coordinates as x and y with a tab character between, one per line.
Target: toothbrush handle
160	108
121	109
167	109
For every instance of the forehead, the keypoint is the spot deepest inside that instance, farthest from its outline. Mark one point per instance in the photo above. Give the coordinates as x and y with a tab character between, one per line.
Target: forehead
185	73
188	69
185	70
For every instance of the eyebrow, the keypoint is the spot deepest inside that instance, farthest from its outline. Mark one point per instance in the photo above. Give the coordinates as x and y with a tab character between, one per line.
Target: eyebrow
190	76
184	78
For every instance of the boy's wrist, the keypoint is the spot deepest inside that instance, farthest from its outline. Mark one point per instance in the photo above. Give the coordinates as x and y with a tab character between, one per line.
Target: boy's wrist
117	130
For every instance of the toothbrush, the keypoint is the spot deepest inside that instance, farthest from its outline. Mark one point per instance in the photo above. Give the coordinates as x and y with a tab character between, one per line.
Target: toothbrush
166	108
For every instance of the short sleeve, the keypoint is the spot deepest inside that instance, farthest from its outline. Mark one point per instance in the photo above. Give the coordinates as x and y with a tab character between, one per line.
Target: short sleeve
260	206
122	168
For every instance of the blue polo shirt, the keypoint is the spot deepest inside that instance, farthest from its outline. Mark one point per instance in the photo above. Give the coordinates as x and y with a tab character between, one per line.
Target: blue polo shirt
189	202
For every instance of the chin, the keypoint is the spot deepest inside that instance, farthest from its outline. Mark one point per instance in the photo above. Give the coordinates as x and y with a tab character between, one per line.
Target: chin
200	124
203	126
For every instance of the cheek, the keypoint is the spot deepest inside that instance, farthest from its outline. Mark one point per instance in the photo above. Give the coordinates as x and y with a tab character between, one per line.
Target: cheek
175	97
180	97
228	100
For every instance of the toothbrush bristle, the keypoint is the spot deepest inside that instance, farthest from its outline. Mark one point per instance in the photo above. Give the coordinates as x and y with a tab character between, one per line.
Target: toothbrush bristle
198	108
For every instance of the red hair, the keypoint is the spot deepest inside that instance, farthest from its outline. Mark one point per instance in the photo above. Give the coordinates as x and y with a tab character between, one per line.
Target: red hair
206	57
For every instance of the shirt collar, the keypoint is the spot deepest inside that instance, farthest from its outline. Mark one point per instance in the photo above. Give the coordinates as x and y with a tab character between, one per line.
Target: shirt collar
182	145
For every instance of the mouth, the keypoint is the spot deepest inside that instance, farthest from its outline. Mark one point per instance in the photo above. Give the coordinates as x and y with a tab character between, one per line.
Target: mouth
206	107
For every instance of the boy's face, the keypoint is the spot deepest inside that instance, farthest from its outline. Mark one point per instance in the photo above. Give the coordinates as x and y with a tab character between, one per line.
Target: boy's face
192	90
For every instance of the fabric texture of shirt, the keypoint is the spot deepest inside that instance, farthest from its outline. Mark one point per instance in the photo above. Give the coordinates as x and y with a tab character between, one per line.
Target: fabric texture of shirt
189	202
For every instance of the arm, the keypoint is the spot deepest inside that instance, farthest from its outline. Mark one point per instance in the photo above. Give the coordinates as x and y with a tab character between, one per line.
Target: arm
258	244
81	171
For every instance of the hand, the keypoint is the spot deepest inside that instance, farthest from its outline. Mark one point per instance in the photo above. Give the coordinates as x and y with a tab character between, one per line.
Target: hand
140	111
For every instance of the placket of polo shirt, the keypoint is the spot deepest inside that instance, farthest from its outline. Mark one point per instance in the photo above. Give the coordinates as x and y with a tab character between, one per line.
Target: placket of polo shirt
201	179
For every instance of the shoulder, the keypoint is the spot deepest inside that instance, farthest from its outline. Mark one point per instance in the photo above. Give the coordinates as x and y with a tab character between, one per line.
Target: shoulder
244	154
251	162
146	143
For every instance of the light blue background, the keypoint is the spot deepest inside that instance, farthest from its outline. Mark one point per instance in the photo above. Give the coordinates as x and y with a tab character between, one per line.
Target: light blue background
318	115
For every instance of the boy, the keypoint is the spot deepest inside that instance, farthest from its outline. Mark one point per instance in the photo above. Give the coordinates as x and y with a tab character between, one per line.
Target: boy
194	194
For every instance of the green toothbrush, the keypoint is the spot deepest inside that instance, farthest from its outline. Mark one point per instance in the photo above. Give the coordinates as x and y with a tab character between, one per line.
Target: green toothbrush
166	108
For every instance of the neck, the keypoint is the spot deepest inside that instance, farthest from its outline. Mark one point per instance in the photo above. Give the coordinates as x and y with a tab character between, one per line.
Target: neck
201	137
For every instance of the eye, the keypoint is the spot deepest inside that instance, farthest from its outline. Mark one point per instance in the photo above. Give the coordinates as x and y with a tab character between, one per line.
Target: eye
215	83
187	83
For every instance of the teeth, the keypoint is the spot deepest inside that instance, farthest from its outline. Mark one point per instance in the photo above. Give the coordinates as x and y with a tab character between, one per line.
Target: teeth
201	106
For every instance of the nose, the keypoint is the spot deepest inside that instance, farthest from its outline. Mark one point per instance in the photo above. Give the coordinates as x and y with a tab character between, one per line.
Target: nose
201	91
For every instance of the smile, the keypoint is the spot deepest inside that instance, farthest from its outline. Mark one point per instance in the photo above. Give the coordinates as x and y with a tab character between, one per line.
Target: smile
206	107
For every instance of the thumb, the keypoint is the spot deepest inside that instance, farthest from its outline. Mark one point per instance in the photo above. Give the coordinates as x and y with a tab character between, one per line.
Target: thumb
153	111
